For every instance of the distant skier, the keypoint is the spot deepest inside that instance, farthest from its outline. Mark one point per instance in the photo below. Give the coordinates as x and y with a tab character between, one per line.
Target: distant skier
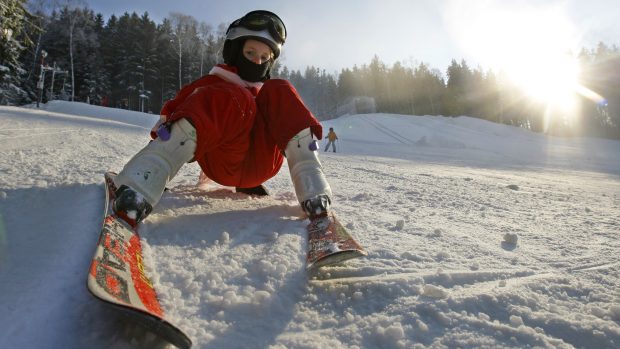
331	139
237	123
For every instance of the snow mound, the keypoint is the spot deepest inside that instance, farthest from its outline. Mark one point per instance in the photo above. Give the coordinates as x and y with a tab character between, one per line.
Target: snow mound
82	109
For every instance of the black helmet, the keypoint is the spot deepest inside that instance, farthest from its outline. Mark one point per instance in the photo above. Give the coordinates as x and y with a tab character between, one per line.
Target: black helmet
260	25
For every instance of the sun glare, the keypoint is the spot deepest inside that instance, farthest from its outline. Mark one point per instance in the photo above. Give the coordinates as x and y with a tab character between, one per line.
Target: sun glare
552	80
534	47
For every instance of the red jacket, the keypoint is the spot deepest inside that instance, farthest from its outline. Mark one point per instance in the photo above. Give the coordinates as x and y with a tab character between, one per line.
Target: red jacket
241	131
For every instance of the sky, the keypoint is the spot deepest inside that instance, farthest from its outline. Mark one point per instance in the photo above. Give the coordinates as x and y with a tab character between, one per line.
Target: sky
333	35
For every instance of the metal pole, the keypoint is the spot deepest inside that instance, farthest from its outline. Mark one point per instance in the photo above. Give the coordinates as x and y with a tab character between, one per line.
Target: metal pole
41	78
40	86
52	87
64	82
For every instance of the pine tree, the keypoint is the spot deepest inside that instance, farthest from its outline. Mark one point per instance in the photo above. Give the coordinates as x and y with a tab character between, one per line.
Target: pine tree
13	40
167	78
429	90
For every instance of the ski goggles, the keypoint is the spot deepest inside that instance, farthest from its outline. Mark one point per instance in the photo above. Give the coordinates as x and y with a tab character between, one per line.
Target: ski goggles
259	20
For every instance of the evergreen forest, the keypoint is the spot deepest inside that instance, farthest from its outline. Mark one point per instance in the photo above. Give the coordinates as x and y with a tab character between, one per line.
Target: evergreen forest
129	61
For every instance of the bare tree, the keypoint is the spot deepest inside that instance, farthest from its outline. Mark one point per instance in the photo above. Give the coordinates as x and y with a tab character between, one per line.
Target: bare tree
205	31
71	7
181	25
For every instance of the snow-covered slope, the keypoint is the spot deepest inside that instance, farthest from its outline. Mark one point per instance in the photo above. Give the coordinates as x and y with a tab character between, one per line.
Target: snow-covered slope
480	235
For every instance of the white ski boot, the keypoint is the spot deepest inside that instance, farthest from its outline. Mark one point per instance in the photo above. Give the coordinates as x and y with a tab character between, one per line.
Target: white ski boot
311	187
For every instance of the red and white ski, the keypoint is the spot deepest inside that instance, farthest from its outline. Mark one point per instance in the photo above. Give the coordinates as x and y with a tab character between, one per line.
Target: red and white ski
330	243
117	275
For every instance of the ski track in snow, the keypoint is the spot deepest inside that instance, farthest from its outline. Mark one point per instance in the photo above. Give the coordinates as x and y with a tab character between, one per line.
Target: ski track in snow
432	199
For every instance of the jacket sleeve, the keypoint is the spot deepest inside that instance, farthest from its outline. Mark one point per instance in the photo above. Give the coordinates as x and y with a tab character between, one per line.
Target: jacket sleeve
171	105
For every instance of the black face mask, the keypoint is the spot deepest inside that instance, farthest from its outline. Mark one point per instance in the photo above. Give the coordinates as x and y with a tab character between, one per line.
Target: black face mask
252	72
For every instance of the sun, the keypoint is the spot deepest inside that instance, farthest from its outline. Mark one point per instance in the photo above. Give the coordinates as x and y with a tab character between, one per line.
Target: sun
551	79
534	47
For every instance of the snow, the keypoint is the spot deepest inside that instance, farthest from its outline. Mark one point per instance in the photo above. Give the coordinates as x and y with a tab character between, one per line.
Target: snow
479	235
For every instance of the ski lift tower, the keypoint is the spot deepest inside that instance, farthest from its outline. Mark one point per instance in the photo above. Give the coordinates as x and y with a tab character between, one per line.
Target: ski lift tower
144	97
55	70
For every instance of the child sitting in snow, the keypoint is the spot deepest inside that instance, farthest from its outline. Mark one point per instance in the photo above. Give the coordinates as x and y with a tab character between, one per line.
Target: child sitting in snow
237	123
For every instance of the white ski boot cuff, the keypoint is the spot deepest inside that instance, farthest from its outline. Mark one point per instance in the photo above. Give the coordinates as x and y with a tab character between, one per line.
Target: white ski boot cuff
153	167
305	168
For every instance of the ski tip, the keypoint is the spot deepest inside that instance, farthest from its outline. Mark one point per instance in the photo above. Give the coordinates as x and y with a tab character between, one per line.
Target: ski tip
158	326
336	258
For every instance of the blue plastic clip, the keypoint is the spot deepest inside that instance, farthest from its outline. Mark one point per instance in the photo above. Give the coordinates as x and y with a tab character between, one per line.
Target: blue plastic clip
163	132
313	146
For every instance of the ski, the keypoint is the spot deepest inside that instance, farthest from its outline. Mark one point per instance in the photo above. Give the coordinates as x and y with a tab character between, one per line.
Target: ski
330	243
117	275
